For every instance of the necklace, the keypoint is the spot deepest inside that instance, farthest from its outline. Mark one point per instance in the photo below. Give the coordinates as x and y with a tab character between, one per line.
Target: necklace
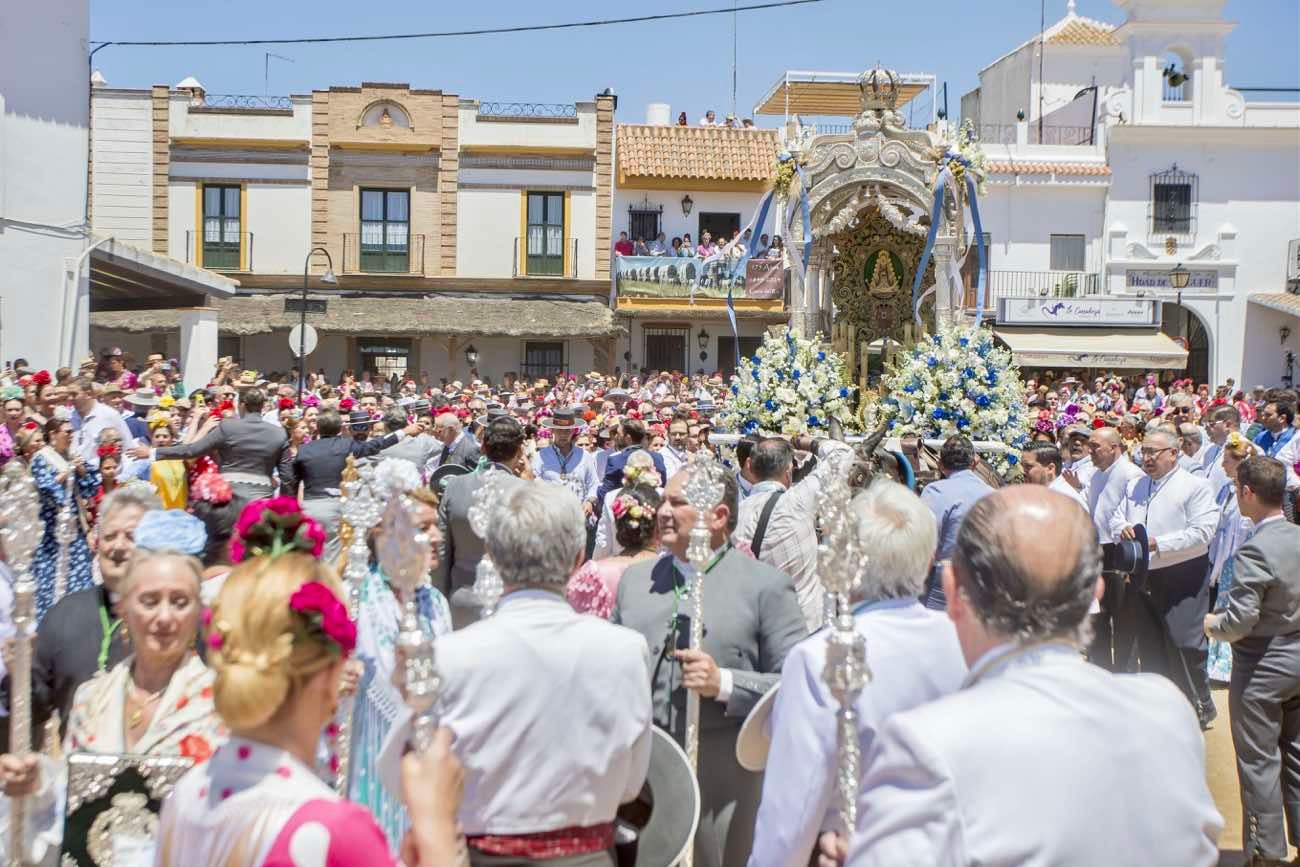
141	706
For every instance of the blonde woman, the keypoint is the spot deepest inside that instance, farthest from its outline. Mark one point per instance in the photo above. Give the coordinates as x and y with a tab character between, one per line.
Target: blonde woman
279	639
1233	531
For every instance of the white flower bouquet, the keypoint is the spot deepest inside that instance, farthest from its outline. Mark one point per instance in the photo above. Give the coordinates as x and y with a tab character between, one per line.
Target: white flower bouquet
956	382
790	386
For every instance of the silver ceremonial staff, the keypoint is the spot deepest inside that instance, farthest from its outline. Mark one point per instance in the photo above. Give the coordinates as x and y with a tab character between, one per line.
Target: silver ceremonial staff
703	490
65	531
405	557
840	562
487	581
20	532
361	511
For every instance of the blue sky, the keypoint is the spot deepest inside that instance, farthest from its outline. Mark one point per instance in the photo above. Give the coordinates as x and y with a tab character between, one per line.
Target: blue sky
686	64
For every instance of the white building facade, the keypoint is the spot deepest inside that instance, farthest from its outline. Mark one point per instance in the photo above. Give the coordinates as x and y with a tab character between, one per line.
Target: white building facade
1179	173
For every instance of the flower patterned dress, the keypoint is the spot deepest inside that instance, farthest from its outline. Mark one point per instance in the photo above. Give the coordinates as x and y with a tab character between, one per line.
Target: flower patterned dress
47	465
1232	533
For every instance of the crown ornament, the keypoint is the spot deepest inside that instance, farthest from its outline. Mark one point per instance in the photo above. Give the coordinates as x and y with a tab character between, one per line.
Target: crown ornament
878	88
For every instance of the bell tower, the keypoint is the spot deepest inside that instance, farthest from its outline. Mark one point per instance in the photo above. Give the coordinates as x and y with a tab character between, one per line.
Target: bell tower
1176	50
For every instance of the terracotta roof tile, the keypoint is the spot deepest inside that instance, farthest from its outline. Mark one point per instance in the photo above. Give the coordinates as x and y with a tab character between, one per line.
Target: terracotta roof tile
1075	30
700	153
1042	168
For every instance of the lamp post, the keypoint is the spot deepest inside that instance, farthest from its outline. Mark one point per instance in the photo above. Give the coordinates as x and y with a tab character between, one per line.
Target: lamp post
327	277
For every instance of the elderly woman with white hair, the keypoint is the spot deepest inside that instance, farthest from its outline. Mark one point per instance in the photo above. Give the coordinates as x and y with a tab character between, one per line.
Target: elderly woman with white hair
158	701
913	655
534	768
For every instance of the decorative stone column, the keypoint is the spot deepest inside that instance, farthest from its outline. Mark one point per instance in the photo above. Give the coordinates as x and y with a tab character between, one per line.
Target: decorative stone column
947	298
198	345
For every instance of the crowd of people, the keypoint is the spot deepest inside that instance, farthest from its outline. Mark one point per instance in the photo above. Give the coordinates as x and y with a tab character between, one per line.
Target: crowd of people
202	617
683	247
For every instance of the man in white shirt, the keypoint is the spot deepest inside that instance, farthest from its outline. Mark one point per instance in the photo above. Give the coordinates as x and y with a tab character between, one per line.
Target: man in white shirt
1191	449
1163	621
89	417
914	658
1041	758
1042	464
1077	469
674	452
1113	472
530	767
778	520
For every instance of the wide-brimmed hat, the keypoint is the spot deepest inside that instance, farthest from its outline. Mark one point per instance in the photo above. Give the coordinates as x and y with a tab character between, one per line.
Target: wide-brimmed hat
111	388
1130	557
755	738
617	394
359	419
666	813
89	361
492	413
113	352
248	379
142	397
444	474
561	419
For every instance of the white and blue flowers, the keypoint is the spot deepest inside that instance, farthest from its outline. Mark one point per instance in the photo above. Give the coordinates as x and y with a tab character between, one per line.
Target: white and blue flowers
956	382
791	386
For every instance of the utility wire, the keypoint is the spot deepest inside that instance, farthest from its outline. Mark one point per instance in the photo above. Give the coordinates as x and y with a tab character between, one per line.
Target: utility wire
528	28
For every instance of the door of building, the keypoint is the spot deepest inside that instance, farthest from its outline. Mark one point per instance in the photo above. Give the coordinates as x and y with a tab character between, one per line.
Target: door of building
718	224
384	356
665	348
727	352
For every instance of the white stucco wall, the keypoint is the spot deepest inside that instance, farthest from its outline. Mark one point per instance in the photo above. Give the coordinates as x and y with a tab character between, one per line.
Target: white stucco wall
1020	221
122	151
43	144
530	134
1265	363
181	207
182	123
488	226
279	219
673	222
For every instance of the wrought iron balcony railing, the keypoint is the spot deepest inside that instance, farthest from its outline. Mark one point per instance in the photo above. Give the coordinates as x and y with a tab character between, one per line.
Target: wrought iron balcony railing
246	101
1036	284
219	251
378	254
537	110
1053	134
544	256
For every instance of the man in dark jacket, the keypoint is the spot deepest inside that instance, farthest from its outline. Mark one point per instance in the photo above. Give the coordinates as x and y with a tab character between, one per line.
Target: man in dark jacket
82	634
319	467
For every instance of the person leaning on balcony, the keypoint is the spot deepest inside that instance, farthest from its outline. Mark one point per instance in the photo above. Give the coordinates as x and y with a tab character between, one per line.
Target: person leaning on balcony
659	246
681	119
623	247
676	250
710	118
688	248
706	248
641	249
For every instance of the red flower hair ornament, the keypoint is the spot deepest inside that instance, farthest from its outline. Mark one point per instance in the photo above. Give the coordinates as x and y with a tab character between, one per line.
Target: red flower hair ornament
275	526
41	378
325	616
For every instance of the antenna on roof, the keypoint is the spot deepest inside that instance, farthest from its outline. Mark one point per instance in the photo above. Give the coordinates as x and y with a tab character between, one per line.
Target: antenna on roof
266	69
1069	8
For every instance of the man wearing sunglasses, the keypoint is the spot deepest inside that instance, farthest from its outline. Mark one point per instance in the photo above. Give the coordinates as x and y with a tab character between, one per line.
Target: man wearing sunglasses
1160	625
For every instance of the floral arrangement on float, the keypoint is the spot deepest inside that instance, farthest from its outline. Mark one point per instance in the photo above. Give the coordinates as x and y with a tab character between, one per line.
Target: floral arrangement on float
791	385
962	153
956	382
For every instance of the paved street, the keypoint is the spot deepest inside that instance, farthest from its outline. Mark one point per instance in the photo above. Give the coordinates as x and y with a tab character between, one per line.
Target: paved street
1220	766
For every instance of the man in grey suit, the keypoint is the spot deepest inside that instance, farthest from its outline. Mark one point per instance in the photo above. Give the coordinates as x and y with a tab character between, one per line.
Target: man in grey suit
1262	620
1041	758
421	449
503	443
249	449
752	620
458	447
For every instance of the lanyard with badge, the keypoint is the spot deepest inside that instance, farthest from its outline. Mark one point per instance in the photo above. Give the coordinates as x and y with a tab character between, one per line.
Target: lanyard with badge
106	641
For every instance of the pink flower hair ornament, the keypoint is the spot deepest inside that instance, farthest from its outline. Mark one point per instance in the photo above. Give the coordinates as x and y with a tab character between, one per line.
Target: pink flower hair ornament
325	617
275	526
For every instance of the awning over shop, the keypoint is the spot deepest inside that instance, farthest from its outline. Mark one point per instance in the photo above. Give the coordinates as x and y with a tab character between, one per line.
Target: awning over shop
125	277
1093	348
442	315
1283	302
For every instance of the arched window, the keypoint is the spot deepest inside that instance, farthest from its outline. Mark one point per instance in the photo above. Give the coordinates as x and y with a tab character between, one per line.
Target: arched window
385	115
1177	78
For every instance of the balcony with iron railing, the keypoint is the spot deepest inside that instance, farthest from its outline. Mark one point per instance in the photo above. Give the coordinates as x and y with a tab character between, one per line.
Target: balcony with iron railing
364	254
545	257
1050	134
228	251
512	111
1036	284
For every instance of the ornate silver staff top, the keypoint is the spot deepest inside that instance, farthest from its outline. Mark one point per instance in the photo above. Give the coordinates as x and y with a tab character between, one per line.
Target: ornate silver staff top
20	531
405	556
704	489
840	561
488	586
65	531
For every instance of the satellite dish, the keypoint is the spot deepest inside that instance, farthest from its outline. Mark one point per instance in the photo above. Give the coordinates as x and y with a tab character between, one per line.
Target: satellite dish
308	345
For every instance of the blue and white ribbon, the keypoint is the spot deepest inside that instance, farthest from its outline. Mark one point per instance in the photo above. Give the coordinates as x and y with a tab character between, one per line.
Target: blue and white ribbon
936	213
979	249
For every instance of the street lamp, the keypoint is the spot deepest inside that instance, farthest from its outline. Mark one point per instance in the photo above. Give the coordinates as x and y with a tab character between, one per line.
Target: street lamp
687	204
471	356
1178	280
327	277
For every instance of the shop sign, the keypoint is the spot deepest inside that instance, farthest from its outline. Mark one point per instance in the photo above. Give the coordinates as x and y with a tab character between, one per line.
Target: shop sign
1159	280
1096	312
